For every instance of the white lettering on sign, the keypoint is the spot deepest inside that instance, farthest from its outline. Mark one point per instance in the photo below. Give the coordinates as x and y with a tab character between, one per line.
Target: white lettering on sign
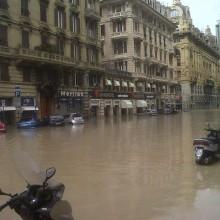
71	93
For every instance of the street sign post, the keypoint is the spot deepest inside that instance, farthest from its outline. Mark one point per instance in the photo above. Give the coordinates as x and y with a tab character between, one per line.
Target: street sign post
3	109
17	91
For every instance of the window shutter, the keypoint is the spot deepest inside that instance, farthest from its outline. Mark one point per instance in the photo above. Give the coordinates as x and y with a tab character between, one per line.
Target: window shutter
56	16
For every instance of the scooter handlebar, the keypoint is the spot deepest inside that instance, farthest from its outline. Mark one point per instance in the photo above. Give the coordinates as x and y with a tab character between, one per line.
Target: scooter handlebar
4	205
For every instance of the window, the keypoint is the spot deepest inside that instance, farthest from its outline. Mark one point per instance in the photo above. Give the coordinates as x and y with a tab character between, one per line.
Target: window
118	8
119	26
60	18
4	74
145	50
137	66
121	65
103	30
60	45
3	35
26	76
136	26
145	32
120	46
24	8
137	48
92	55
74	23
151	51
74	2
75	51
92	29
25	39
43	11
44	39
90	4
3	4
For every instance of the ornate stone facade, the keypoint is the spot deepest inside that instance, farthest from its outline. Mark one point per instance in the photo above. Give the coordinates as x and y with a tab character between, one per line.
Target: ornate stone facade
197	60
45	47
137	37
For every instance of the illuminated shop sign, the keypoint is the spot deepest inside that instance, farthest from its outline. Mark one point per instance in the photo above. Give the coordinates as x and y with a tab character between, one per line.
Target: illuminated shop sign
64	93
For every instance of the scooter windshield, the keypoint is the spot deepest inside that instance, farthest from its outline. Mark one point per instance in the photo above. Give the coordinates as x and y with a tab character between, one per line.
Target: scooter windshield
29	169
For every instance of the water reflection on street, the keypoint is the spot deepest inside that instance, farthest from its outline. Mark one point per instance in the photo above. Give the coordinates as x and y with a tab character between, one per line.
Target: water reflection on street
123	169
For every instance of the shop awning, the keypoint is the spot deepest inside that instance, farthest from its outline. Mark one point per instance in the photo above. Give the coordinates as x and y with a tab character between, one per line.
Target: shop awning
108	82
29	108
131	85
126	104
141	104
7	108
116	83
124	84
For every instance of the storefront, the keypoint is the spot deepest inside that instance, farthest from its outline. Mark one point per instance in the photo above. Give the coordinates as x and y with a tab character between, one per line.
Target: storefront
7	110
104	103
29	107
151	101
69	101
94	107
127	107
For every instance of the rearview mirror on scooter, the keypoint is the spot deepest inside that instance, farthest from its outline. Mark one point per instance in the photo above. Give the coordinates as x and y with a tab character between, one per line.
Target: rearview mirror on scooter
50	172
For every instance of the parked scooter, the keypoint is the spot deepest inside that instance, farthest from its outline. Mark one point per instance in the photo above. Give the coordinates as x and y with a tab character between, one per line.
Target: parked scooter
40	201
207	148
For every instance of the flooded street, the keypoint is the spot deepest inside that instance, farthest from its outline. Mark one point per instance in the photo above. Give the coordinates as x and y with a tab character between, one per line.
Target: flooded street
137	168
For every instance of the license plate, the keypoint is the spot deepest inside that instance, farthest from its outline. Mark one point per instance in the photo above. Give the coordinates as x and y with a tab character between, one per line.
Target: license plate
199	152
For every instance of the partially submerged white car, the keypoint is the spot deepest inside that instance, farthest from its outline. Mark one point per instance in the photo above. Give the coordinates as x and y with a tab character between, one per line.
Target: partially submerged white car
74	118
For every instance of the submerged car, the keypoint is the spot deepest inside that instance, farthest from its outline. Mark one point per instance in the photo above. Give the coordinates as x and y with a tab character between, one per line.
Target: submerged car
28	123
2	127
75	118
56	120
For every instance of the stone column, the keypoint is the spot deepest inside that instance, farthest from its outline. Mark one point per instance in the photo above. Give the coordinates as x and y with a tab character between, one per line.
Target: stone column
186	95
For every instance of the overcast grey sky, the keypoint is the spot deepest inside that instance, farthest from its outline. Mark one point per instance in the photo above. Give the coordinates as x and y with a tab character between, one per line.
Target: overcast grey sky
203	12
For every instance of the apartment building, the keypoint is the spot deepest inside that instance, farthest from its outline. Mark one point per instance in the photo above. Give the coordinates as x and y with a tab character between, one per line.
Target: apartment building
49	56
197	60
137	37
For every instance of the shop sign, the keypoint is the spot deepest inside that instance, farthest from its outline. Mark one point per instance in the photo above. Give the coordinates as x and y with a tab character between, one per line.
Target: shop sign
121	95
150	97
64	93
27	101
106	95
138	96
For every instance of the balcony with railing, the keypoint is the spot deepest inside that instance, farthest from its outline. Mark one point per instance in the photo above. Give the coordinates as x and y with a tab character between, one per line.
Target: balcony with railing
118	15
92	13
118	35
41	56
7	51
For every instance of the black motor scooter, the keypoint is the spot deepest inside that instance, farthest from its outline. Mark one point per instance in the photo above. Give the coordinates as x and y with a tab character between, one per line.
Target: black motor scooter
40	201
207	148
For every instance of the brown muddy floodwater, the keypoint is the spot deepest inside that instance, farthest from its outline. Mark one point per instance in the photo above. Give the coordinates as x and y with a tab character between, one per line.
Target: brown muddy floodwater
139	168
